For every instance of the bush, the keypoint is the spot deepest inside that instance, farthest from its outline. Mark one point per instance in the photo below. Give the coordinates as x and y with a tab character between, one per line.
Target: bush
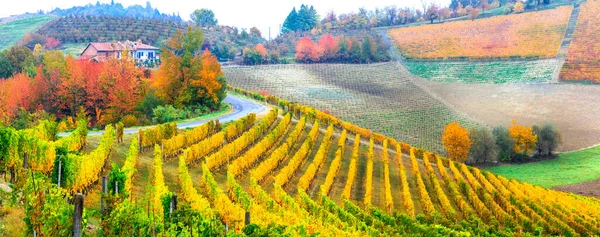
130	121
168	113
504	143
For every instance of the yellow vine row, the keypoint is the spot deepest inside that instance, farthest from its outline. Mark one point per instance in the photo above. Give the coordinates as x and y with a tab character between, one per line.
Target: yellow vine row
286	173
240	164
312	169
265	167
352	169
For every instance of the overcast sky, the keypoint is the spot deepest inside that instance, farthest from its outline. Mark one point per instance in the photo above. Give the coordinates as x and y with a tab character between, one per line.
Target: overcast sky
241	13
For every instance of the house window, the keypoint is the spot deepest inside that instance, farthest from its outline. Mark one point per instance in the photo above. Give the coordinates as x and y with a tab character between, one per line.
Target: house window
151	55
140	54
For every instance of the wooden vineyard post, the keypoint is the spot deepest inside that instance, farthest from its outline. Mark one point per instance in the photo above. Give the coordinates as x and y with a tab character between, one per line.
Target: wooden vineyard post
104	183
247	222
59	171
77	215
173	205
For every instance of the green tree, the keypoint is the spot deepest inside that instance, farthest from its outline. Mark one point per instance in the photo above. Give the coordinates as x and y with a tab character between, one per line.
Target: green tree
549	138
291	22
6	67
484	147
204	17
504	143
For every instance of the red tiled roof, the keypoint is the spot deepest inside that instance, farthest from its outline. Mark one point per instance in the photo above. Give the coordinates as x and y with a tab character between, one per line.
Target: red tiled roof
104	47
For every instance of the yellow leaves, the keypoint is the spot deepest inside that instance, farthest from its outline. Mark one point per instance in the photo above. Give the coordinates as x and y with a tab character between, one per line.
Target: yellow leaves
173	146
409	206
190	194
89	166
369	175
525	140
456	141
519	7
198	151
426	203
352	169
158	183
129	164
310	173
247	159
231	150
494	37
156	134
286	173
334	168
279	154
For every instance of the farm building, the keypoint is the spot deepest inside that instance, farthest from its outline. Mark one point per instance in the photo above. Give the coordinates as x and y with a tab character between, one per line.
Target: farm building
102	51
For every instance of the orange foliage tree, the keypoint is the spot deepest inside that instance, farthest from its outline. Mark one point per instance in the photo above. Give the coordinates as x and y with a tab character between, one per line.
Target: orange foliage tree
525	140
123	80
181	75
307	50
328	46
260	48
456	141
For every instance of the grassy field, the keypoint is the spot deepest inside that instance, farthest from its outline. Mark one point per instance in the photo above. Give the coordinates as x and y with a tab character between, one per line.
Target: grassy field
74	49
568	168
380	97
12	32
499	72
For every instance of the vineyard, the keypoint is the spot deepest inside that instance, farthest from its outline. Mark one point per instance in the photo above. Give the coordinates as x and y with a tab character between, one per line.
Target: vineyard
528	35
310	173
13	31
381	97
582	61
87	28
498	72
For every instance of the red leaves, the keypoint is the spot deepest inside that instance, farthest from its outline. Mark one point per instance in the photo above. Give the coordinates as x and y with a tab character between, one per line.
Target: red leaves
260	48
307	50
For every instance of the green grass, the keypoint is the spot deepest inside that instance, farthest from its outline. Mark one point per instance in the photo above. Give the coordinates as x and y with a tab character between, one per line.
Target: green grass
12	32
499	72
568	168
74	49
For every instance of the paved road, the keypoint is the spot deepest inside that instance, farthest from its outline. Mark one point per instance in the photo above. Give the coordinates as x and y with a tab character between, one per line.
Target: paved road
241	108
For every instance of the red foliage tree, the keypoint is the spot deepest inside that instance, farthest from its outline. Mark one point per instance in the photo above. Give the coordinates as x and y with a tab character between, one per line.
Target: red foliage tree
52	43
260	48
307	50
328	46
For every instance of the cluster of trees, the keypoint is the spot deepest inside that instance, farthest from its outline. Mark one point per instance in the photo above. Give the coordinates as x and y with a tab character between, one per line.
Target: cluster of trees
32	39
46	80
260	55
204	17
302	20
103	28
116	9
341	49
508	144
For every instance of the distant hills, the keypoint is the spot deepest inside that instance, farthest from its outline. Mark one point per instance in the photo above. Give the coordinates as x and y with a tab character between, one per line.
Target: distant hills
116	9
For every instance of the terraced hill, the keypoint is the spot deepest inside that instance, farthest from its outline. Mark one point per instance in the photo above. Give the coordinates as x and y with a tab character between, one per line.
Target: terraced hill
13	31
324	177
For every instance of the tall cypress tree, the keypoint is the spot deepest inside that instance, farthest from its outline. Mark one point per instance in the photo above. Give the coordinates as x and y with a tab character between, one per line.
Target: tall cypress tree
291	22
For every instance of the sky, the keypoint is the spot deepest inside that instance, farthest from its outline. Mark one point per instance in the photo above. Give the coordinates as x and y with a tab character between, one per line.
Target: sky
241	13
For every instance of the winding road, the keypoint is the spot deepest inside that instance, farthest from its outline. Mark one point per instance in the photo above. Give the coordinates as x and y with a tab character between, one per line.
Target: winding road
241	108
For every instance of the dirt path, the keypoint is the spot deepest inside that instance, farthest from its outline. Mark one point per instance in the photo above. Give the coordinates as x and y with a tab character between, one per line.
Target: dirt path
591	188
566	43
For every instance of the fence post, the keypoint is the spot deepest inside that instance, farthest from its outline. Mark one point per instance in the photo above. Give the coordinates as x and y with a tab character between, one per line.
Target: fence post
104	183
59	171
173	205
77	214
25	160
117	187
247	218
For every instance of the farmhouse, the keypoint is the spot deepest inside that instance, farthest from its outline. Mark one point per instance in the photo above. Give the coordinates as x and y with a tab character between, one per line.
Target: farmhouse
102	51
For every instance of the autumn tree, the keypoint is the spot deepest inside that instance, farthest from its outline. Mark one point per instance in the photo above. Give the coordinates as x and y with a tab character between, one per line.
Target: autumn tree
519	7
307	50
432	12
181	79
525	140
328	47
255	32
456	141
123	80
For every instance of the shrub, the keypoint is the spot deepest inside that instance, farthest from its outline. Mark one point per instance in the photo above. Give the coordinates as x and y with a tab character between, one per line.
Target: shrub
168	113
130	120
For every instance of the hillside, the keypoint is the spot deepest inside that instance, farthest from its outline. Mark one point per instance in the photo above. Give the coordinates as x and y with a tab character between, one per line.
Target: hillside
582	61
499	37
86	28
13	31
382	97
298	173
